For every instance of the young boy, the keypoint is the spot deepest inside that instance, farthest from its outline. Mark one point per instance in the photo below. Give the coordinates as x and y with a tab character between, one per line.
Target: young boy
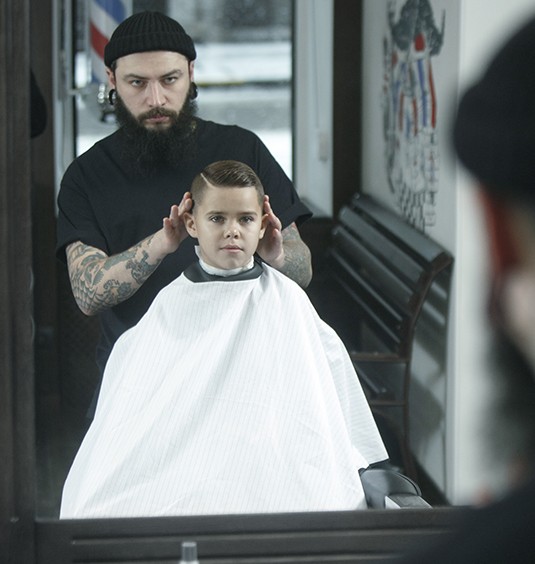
230	395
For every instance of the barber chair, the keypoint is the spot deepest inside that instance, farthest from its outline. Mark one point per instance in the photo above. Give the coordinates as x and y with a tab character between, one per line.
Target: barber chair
386	488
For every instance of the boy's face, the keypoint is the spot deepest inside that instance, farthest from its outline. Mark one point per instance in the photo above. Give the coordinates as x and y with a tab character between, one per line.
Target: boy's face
228	223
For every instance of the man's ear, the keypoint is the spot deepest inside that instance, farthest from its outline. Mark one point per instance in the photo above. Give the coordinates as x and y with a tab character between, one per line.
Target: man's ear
111	78
189	222
191	70
501	222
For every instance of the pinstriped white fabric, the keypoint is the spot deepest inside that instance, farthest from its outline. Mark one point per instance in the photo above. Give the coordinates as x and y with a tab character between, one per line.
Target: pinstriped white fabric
227	397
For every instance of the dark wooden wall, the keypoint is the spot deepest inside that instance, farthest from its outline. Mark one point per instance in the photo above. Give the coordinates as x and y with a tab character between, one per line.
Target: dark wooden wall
43	205
17	468
346	101
346	116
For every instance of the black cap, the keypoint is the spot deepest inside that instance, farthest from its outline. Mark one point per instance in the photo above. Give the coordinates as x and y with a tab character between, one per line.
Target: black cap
148	31
494	130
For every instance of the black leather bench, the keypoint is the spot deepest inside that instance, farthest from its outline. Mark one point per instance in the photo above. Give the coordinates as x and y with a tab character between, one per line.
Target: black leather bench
378	275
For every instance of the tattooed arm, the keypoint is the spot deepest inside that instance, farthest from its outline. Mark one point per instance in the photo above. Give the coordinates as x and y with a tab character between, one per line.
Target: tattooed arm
284	249
100	281
297	263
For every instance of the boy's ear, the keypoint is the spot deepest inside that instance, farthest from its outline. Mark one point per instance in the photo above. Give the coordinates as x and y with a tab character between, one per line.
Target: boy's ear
189	222
264	224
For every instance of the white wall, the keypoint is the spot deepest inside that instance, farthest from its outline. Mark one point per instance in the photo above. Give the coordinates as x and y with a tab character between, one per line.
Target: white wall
448	447
313	46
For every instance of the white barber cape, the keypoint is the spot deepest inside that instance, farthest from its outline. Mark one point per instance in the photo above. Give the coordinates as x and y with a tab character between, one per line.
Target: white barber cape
229	396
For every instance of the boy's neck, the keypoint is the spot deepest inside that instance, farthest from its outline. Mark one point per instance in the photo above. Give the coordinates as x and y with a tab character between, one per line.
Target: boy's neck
214	271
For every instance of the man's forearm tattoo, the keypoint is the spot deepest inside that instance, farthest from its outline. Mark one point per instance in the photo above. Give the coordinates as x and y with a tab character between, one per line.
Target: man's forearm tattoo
141	269
94	288
296	258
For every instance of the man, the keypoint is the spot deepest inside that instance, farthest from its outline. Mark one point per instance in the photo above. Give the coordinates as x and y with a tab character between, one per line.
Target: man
113	198
494	137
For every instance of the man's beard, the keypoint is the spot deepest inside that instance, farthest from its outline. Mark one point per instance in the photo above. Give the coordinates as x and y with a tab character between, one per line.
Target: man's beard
148	148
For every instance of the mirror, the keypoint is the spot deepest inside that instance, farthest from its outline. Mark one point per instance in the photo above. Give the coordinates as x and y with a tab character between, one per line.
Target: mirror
65	383
61	542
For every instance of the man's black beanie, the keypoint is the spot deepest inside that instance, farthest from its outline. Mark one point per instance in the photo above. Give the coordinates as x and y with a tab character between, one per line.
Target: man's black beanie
148	31
494	130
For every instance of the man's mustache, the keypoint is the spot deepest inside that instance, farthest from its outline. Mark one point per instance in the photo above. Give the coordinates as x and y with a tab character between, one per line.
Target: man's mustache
157	112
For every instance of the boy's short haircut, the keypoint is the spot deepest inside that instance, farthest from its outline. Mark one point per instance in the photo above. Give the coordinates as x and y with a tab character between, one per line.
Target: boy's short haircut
226	174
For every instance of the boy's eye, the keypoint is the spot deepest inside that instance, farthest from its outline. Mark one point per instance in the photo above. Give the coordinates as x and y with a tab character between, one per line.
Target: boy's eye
216	218
247	219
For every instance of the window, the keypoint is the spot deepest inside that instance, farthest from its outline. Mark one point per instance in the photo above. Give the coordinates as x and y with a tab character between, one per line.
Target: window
243	67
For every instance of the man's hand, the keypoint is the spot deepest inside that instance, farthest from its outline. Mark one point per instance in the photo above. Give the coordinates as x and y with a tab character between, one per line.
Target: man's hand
174	230
284	249
270	247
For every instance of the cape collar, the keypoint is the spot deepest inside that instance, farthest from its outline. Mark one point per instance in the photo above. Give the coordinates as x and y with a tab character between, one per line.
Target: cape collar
195	273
